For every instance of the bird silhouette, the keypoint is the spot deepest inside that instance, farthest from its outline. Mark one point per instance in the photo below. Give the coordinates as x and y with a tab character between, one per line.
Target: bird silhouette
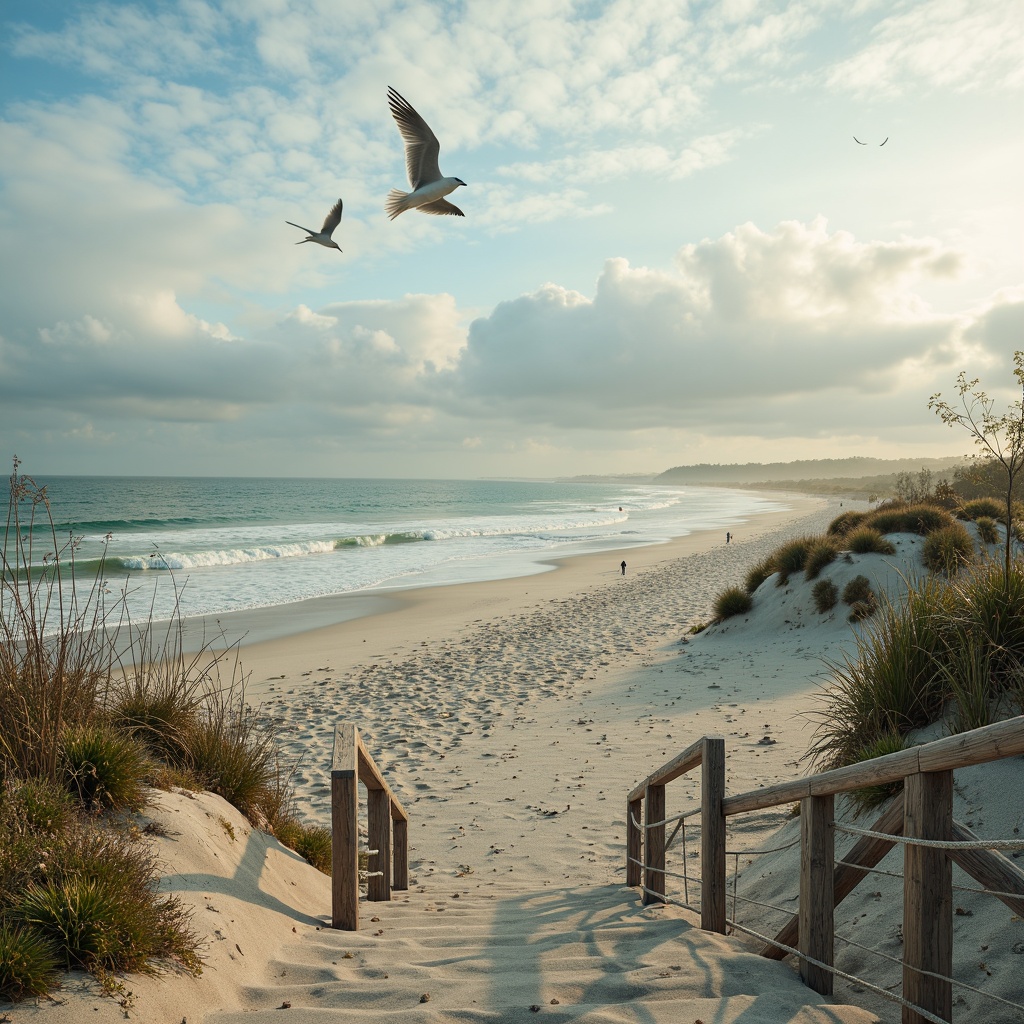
859	143
323	236
429	186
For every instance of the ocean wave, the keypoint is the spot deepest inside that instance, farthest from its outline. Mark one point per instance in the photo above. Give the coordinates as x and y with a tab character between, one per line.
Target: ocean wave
376	540
231	556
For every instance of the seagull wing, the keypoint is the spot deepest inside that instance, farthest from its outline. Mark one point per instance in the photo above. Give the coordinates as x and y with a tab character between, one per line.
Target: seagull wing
859	143
884	141
309	231
332	220
421	145
442	208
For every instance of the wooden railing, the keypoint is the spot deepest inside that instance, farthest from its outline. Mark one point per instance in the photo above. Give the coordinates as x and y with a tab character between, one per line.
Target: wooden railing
387	830
926	813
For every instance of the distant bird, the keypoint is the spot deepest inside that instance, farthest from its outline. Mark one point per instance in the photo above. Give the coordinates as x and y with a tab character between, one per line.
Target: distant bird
859	143
429	187
323	236
884	141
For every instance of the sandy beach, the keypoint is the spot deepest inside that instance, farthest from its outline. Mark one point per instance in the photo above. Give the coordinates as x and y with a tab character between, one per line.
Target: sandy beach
511	718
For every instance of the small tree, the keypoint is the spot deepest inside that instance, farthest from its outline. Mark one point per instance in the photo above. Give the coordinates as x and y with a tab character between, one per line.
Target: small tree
999	437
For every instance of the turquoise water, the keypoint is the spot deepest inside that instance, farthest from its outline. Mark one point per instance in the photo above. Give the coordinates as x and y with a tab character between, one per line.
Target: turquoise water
220	545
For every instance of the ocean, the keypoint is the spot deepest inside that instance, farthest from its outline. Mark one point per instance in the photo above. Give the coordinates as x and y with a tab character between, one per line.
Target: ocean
215	546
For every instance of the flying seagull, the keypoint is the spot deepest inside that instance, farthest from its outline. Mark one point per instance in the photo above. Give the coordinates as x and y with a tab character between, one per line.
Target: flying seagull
323	236
429	187
859	143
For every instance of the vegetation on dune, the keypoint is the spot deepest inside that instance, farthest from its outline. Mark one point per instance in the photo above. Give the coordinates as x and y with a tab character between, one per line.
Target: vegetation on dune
864	540
826	596
733	601
93	711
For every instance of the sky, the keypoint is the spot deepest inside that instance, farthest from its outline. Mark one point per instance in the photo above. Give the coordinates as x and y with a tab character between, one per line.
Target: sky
673	251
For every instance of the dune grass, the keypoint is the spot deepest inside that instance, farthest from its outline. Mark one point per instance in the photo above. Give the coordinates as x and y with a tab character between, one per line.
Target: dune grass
93	710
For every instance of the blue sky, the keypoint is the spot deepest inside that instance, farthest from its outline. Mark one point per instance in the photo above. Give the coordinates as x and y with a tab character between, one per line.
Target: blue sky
673	249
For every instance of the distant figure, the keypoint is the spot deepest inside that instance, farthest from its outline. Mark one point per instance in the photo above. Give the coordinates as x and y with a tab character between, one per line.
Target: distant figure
623	567
728	536
620	508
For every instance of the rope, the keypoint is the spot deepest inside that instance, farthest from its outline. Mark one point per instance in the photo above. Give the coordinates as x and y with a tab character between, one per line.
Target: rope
665	821
853	979
758	853
961	888
939	844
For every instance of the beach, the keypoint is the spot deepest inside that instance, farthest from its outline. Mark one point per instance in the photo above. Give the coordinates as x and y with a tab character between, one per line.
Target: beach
511	717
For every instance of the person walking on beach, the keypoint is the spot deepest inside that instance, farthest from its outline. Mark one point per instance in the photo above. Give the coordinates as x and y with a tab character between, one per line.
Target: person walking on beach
728	536
623	567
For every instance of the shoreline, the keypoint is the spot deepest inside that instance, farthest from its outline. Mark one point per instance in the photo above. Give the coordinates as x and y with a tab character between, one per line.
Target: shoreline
346	630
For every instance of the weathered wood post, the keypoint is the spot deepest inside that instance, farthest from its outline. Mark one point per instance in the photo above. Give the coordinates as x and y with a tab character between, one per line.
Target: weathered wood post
344	830
817	896
400	834
378	809
927	896
712	835
634	841
654	845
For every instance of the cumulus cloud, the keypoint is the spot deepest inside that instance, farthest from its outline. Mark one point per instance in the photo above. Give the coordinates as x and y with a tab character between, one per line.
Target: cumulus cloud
743	328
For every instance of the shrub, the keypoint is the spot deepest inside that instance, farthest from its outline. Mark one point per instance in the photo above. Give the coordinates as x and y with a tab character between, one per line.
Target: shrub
866	541
29	965
948	549
861	610
105	767
844	523
821	553
759	572
858	589
791	558
979	508
733	601
988	531
826	595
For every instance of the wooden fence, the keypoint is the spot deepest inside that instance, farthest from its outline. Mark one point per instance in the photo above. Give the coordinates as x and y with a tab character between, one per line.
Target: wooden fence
387	830
925	813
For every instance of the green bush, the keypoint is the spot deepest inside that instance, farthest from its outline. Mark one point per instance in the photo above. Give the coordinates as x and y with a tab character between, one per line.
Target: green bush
844	523
948	549
866	541
105	767
821	553
758	573
733	601
826	595
29	964
978	508
988	531
858	589
790	558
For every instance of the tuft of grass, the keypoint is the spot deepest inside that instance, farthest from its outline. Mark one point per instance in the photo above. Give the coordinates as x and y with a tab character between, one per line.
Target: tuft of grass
105	767
819	554
791	557
874	796
38	805
979	508
310	841
231	750
988	531
826	595
29	964
866	541
897	518
845	523
733	601
759	572
858	589
948	549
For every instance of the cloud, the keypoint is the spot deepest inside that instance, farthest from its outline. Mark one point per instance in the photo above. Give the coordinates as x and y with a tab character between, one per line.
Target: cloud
746	328
948	44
